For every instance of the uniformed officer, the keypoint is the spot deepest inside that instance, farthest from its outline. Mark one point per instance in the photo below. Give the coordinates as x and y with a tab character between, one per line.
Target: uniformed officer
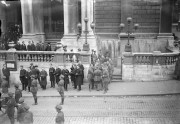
65	72
51	75
28	78
6	73
78	77
60	116
11	104
90	76
97	78
105	78
43	75
34	89
57	74
28	116
18	93
21	110
22	77
61	88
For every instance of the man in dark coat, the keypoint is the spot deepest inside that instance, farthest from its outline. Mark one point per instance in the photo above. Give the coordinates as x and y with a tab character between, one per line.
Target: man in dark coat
43	47
48	47
28	78
33	47
18	93
38	47
11	104
18	46
90	76
65	72
82	68
51	75
23	46
6	73
97	78
29	46
79	77
73	76
37	72
34	89
43	75
22	77
57	74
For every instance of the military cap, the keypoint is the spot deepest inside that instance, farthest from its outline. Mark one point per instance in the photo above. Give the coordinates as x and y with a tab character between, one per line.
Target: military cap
16	85
26	107
10	94
58	107
21	100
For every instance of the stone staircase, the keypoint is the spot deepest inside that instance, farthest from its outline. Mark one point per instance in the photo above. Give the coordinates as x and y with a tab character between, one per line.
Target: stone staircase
117	78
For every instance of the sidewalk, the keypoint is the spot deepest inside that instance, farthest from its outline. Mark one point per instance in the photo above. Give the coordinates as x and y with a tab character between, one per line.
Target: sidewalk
116	89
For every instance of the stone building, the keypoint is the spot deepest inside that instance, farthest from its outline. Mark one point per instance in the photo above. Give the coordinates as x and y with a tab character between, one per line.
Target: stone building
56	20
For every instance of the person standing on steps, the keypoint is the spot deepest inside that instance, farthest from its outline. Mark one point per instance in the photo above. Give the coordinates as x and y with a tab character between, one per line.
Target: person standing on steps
61	88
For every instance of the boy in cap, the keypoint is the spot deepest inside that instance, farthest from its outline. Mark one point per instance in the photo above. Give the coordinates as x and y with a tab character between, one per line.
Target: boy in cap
21	110
28	116
60	116
61	89
11	104
18	93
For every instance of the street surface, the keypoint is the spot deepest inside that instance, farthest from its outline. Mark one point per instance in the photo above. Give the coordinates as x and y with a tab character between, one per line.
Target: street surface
107	110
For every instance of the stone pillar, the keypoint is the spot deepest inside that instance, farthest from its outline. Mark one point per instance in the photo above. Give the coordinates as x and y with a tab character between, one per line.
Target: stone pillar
165	29
2	18
70	23
87	11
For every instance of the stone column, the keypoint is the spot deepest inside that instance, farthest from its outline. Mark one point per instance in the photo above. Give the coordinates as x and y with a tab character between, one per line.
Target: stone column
165	32
2	18
70	23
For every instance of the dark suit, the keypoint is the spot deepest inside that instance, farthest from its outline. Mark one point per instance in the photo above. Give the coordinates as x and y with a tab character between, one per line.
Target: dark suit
48	47
65	72
33	47
23	47
57	74
79	78
22	77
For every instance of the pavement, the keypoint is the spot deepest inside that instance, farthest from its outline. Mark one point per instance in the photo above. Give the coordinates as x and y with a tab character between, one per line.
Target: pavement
115	89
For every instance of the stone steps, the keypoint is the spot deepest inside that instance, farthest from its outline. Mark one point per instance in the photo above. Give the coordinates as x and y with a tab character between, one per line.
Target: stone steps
117	78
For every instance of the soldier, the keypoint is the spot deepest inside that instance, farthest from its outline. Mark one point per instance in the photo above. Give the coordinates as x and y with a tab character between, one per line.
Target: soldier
105	78
57	74
18	93
51	75
65	72
90	76
28	78
21	111
48	47
6	73
97	78
34	89
22	77
61	89
79	77
43	75
37	72
11	104
82	68
28	116
60	116
23	46
72	73
29	46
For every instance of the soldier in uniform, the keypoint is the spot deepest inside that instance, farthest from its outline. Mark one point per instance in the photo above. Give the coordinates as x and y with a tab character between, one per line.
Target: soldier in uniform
37	73
18	93
51	75
21	111
82	69
72	73
65	72
22	77
90	76
6	74
43	75
11	104
79	77
105	78
97	78
34	89
28	78
28	116
60	116
57	74
61	89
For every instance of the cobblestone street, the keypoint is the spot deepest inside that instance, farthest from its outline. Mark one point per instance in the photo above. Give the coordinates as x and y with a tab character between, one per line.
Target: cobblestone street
109	110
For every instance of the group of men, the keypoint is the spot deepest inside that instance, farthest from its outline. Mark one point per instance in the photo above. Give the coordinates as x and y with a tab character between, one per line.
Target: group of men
33	47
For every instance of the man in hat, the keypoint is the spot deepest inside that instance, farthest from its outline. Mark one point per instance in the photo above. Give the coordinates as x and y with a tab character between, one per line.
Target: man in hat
97	78
78	78
28	116
11	104
61	88
33	47
38	47
82	69
43	75
18	46
21	110
29	46
51	75
28	78
6	73
34	89
57	74
4	86
48	47
23	46
22	77
18	93
65	72
60	116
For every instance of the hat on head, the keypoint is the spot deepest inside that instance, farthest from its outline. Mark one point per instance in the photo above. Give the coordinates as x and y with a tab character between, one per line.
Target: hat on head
58	107
21	100
16	85
10	94
26	107
31	64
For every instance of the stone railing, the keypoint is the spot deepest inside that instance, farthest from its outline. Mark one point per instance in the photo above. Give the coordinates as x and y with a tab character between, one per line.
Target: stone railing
149	66
45	56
